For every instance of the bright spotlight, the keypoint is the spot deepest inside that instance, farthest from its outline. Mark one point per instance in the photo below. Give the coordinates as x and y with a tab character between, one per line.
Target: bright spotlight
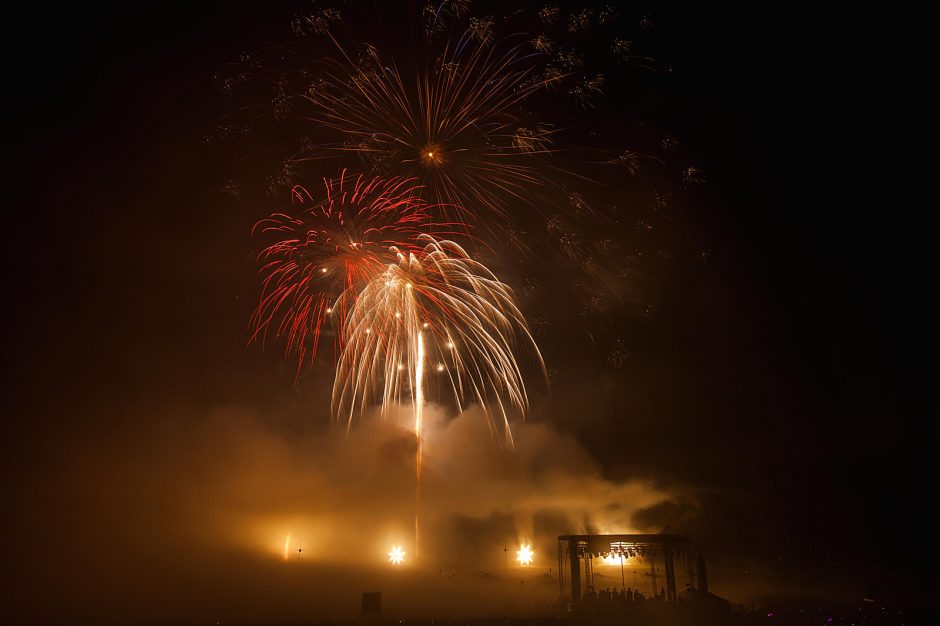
524	555
396	556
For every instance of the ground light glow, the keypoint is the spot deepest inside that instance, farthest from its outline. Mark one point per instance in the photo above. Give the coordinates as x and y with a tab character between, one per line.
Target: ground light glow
396	555
524	555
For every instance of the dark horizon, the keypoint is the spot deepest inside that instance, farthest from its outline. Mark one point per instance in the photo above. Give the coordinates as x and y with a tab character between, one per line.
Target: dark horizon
773	403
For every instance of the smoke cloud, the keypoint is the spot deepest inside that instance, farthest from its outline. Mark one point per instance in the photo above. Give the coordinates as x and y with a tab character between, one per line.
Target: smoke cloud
226	515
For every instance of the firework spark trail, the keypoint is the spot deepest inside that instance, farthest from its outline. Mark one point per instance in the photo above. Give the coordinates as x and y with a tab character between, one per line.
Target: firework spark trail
434	303
419	411
339	243
471	328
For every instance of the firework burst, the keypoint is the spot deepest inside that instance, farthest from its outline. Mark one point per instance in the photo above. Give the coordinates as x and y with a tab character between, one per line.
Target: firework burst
454	127
336	244
439	312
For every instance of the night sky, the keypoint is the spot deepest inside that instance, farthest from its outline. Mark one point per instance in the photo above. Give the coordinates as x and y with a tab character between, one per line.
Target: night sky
776	402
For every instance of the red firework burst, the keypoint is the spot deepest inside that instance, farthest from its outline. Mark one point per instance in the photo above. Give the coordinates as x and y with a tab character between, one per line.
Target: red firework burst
335	245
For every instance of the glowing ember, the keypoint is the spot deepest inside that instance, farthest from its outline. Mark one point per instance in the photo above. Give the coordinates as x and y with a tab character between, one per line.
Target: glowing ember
396	556
524	555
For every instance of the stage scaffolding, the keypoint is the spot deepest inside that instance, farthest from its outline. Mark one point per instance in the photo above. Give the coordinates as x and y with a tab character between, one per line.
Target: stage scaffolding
576	554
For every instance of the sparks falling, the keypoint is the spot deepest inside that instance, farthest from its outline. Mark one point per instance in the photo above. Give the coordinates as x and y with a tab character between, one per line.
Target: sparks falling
435	305
418	405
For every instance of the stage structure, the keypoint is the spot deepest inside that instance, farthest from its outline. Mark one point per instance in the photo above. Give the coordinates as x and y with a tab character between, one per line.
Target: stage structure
576	554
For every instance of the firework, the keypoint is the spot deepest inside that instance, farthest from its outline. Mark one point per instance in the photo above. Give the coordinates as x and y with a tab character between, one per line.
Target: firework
486	116
336	244
483	114
435	313
454	127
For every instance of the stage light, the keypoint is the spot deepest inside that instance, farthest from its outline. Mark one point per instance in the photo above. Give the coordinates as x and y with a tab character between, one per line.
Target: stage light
524	555
396	555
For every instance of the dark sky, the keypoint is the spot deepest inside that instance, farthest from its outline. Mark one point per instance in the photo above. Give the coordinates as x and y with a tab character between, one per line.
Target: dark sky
778	396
